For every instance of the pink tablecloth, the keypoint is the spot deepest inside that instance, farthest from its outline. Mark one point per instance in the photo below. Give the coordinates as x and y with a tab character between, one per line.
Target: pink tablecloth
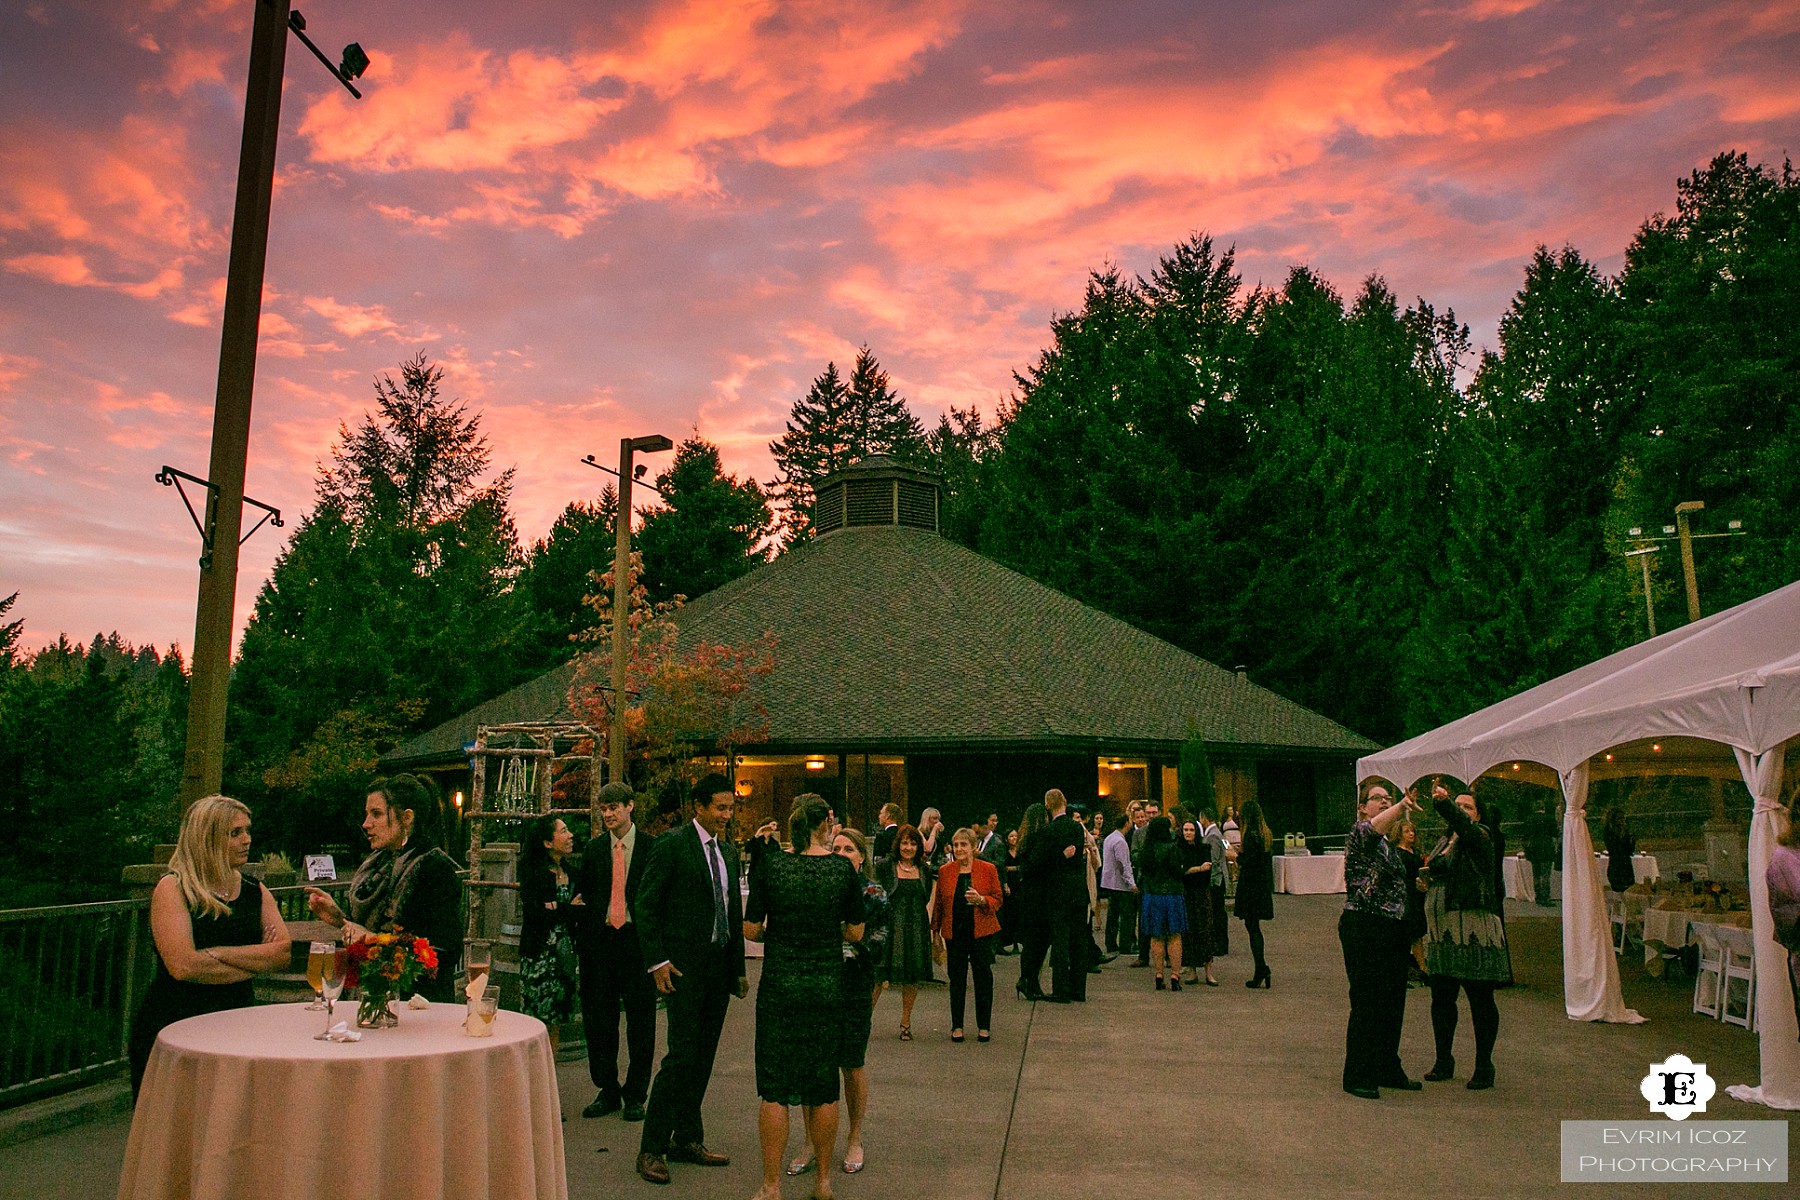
244	1104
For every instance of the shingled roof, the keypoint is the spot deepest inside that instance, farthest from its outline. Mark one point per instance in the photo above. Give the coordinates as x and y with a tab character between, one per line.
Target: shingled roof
890	637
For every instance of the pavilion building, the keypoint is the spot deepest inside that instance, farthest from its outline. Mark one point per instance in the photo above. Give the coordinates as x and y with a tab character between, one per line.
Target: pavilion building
911	669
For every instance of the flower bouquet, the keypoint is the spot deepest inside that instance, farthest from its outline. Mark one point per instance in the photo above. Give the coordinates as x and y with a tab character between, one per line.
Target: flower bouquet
386	966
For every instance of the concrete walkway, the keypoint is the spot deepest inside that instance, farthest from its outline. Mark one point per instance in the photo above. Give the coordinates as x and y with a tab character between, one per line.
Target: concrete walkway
1210	1093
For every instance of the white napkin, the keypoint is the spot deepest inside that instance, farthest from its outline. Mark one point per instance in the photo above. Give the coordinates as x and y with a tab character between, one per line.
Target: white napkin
476	990
341	1032
418	1001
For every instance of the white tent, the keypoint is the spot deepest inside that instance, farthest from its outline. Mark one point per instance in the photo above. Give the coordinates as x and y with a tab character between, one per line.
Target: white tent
1731	679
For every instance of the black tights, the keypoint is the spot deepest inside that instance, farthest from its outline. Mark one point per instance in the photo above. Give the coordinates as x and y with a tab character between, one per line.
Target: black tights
1484	1013
1253	928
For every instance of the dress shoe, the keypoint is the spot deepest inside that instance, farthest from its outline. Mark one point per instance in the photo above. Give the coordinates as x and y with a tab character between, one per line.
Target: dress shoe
1441	1070
1106	958
652	1169
601	1106
1365	1093
1028	993
1049	998
1482	1079
699	1155
633	1112
1403	1084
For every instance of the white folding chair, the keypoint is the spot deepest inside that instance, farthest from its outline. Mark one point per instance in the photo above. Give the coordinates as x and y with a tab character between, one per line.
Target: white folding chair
1740	968
1615	912
1630	913
1709	976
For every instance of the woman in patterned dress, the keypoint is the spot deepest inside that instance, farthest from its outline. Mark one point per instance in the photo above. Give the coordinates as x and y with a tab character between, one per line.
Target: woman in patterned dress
548	978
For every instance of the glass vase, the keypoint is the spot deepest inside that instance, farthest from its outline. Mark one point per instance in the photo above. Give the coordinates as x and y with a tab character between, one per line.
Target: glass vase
376	1012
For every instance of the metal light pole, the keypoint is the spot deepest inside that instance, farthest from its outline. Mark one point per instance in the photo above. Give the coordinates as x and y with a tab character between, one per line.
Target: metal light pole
1687	554
204	764
621	607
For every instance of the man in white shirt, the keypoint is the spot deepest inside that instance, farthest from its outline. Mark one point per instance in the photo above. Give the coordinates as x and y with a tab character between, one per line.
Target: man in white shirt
1119	886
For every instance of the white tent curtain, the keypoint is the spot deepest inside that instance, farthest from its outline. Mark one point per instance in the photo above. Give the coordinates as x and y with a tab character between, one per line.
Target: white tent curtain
1590	973
1775	1016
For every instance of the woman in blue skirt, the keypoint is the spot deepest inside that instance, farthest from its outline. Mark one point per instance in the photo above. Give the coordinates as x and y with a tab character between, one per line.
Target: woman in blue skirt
1163	918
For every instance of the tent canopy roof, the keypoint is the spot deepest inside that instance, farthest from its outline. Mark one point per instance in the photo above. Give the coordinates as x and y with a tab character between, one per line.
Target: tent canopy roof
1732	678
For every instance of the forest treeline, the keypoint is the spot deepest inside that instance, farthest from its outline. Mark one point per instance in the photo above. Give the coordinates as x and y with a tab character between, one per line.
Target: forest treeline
1333	490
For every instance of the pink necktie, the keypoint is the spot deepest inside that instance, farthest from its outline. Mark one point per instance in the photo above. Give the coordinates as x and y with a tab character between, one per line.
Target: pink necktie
615	912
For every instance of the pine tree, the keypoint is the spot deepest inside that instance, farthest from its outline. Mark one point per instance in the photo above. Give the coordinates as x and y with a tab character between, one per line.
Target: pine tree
833	425
710	530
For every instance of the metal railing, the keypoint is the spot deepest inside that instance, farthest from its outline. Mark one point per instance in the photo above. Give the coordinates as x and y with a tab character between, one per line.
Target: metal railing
71	979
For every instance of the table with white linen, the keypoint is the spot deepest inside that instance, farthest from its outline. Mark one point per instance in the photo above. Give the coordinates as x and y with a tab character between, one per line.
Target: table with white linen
1671	929
1309	874
245	1104
1519	883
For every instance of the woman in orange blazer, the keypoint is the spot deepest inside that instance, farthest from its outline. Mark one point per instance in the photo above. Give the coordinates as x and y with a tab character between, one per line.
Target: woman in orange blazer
968	899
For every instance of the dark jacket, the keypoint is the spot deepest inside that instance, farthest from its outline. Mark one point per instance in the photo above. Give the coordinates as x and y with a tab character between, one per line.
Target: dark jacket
1066	873
674	906
1467	870
537	893
1256	881
593	882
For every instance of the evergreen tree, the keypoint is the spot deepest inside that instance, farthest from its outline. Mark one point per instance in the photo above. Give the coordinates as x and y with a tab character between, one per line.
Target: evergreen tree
1710	320
833	425
391	608
710	530
559	570
9	634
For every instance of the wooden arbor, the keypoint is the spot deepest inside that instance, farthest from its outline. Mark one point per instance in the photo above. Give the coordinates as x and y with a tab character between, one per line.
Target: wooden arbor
541	769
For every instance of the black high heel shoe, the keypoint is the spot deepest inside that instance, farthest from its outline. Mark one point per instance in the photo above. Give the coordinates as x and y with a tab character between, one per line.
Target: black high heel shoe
1258	980
1027	993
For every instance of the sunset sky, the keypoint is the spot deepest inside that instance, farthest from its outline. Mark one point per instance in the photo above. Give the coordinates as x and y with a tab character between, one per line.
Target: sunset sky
608	219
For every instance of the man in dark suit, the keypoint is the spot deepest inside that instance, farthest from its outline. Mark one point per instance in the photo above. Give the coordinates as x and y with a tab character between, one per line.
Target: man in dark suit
614	975
989	845
690	920
1066	901
890	825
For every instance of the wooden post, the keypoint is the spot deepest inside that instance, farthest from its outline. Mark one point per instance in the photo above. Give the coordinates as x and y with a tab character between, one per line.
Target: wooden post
204	763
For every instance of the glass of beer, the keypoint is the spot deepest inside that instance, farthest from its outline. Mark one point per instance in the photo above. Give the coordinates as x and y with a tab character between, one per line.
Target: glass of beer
476	963
316	955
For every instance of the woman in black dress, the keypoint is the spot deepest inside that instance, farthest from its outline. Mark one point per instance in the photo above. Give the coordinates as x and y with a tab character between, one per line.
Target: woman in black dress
1196	883
407	882
1256	885
809	904
214	930
908	887
1034	852
548	977
861	962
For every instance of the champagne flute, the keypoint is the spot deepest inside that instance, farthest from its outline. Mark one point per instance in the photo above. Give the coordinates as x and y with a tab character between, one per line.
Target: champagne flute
315	965
331	985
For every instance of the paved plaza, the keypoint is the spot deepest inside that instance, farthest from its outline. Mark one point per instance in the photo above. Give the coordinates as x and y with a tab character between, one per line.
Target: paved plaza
1209	1093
